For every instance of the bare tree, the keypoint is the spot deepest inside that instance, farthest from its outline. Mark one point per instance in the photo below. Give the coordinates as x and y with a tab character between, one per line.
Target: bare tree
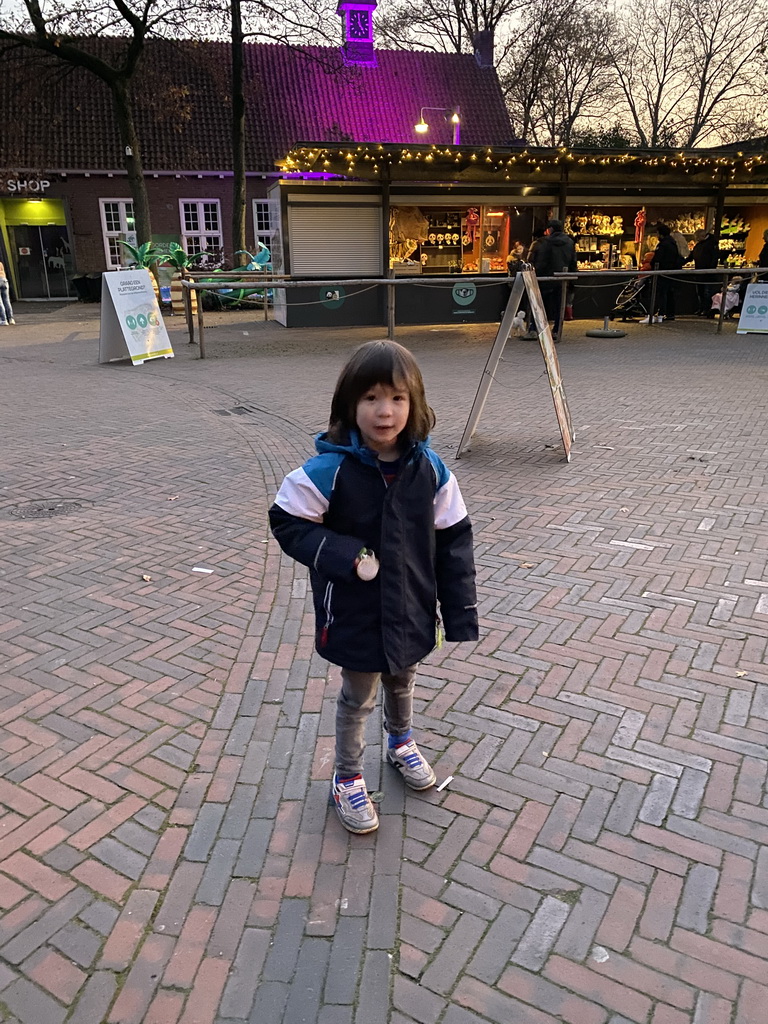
73	33
726	62
649	53
295	23
692	71
444	27
554	75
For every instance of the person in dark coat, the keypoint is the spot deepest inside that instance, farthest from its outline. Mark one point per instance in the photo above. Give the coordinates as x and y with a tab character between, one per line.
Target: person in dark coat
762	259
705	254
555	255
380	522
666	257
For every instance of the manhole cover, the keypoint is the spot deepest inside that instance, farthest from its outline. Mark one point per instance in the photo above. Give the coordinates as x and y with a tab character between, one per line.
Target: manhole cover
46	508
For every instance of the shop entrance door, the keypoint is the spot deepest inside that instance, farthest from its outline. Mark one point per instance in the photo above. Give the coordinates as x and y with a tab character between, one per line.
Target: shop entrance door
43	260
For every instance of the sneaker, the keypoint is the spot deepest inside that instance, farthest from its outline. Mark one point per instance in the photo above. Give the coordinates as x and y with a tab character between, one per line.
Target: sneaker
407	759
353	805
12	321
647	320
658	319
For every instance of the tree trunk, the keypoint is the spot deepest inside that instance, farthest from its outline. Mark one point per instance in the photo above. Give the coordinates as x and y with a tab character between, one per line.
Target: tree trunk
129	142
238	137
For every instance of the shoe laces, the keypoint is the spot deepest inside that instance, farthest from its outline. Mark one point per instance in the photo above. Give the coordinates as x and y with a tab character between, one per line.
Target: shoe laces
409	753
355	792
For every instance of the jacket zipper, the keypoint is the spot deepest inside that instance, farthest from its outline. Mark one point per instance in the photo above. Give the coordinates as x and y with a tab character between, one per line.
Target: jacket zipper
328	614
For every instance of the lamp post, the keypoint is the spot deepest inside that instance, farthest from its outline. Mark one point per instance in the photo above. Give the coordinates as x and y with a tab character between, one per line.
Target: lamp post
452	114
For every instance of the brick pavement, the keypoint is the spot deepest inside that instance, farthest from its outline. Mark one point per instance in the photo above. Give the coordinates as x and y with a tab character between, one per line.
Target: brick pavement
167	855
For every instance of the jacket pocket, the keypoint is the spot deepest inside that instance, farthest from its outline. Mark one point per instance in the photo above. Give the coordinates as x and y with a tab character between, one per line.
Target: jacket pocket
328	608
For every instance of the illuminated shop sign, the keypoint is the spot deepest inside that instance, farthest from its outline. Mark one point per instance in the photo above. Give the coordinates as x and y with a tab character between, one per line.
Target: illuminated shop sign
27	186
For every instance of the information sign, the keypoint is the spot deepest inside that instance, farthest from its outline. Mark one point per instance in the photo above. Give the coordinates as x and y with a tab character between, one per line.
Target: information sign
524	282
131	324
754	310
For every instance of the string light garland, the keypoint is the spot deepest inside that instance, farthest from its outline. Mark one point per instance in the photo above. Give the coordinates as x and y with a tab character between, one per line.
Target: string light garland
369	159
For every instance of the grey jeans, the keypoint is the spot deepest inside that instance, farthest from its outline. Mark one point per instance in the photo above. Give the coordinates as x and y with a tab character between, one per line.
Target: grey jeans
357	700
6	311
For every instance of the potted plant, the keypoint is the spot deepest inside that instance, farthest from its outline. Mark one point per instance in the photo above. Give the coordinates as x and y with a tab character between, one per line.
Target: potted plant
146	256
182	262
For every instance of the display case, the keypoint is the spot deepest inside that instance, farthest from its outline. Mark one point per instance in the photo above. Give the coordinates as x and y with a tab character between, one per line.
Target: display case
459	240
734	231
441	251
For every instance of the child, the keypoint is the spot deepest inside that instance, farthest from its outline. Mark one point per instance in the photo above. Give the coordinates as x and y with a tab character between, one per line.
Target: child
380	522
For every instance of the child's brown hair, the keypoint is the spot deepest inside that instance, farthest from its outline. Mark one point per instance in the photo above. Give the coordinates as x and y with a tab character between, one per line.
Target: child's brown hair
379	362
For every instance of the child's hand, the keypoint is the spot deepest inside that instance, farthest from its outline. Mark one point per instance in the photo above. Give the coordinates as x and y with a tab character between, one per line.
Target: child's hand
367	565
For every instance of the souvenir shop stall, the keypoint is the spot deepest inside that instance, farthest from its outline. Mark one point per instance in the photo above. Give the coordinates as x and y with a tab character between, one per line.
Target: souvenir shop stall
426	212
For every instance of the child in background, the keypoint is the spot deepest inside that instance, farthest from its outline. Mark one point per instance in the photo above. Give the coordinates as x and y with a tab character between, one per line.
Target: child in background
381	524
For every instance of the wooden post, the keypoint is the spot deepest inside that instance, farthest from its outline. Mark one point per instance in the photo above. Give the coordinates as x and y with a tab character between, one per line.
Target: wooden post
563	299
200	327
723	294
652	305
391	290
187	297
562	198
385	252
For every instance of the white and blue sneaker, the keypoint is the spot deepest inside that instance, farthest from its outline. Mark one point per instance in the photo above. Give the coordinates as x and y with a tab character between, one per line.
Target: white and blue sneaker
353	805
415	770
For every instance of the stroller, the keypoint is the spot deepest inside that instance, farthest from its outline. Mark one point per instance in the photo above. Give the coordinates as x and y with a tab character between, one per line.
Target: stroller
630	302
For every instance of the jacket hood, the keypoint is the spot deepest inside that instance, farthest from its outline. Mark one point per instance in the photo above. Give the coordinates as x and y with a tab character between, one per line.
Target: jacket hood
358	450
560	239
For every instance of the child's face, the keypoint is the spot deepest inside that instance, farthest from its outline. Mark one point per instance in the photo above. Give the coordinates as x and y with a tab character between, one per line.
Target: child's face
381	415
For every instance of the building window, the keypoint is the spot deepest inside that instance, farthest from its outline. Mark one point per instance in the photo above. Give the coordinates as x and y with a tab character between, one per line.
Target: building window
201	226
117	224
266	221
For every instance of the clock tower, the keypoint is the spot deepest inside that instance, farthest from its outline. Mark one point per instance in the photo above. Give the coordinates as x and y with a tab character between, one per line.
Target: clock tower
357	21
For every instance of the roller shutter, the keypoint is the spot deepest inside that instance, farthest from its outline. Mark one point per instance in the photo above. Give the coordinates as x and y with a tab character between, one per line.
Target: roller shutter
342	239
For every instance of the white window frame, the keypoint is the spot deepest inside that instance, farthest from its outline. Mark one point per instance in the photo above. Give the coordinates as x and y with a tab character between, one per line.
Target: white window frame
117	256
266	211
200	240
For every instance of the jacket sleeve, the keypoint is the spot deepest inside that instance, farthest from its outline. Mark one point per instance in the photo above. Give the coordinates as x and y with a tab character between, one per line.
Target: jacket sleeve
296	520
454	561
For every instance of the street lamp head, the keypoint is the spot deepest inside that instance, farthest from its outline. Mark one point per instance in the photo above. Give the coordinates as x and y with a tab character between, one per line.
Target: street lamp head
450	114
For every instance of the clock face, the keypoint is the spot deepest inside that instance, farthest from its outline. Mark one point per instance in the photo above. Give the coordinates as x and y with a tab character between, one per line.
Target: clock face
359	24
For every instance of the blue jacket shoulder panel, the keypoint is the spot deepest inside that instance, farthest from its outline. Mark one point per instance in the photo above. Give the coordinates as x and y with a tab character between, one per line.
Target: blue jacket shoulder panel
441	470
322	470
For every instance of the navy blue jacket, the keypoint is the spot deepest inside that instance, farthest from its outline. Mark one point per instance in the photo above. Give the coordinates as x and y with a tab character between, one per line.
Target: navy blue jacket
339	503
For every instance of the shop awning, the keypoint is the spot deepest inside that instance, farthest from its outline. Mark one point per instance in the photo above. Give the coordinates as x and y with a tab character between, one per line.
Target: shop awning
525	165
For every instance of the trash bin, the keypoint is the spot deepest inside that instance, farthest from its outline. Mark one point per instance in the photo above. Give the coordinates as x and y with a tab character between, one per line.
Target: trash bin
80	284
94	287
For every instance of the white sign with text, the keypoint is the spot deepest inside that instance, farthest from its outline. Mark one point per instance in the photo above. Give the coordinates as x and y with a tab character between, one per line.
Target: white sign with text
131	324
754	310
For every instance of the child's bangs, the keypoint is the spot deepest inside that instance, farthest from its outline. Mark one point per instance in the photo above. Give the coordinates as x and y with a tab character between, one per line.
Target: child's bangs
382	365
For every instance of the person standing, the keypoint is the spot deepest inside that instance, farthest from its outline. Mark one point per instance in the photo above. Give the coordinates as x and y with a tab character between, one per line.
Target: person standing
555	255
666	257
762	259
379	520
705	255
6	310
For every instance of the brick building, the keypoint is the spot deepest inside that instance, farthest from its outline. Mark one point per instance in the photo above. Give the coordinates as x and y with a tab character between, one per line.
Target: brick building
64	197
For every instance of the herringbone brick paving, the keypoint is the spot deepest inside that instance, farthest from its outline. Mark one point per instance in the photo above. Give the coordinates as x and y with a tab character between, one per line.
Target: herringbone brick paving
167	855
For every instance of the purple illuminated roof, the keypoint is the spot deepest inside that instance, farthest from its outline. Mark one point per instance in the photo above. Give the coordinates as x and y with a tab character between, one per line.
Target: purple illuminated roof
184	106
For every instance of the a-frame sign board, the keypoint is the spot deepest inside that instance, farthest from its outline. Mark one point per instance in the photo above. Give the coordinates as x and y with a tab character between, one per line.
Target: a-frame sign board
131	323
525	281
